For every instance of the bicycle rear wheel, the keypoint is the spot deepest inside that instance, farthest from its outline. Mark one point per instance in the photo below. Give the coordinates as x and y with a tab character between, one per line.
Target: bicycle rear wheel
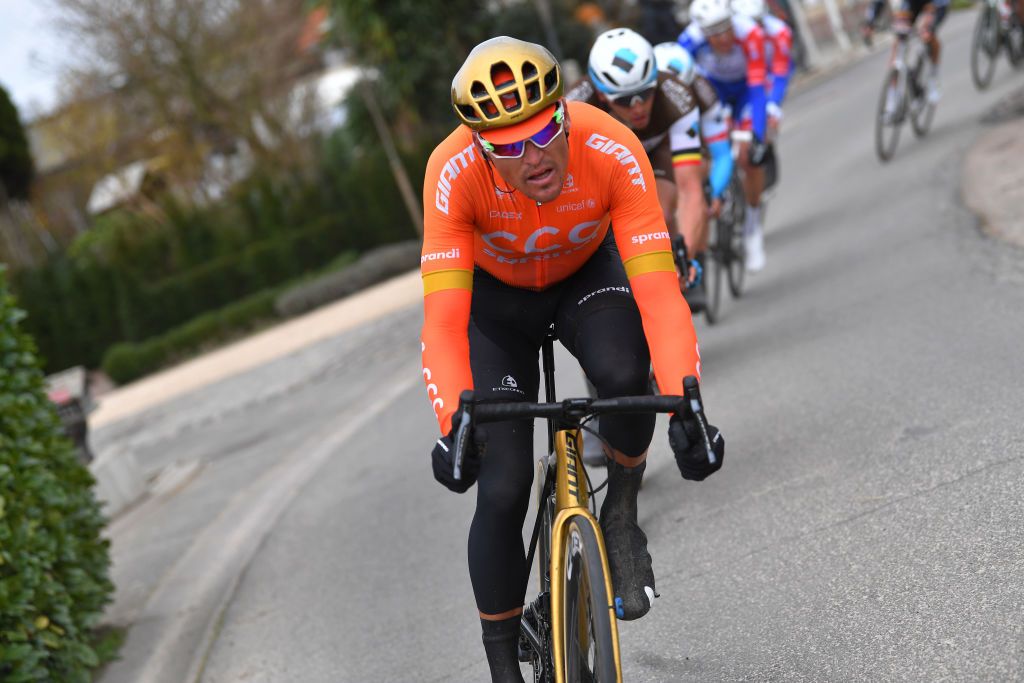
889	116
714	264
922	111
732	243
985	47
587	628
1015	44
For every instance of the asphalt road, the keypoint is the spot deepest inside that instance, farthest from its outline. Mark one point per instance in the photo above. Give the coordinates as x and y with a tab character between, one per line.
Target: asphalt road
868	524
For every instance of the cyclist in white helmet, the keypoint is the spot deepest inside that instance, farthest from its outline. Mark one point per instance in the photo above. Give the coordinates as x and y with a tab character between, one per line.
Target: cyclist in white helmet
672	58
778	38
666	114
730	52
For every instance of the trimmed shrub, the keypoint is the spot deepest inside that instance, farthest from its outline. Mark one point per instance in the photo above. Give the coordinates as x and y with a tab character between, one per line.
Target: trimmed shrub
53	562
127	361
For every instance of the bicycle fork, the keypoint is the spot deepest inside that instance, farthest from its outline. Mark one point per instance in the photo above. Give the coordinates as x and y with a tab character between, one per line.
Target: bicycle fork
571	501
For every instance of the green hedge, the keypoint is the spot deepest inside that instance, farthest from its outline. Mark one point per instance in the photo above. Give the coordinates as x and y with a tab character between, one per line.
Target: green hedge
133	276
53	562
127	361
79	311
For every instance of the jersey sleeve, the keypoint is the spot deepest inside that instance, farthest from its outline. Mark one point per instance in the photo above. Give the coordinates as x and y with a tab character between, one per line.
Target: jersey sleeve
446	265
753	48
692	38
644	244
684	138
781	39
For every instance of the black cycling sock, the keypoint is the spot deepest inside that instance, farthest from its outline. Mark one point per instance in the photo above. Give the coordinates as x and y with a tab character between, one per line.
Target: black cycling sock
623	489
501	641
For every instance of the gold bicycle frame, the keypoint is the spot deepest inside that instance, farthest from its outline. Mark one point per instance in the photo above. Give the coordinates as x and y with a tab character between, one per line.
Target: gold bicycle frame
571	499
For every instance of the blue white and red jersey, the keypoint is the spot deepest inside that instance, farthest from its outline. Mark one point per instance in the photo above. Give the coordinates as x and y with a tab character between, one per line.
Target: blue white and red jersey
739	76
778	38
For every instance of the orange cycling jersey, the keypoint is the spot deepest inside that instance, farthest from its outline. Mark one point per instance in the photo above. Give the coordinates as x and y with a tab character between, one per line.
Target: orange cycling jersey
473	218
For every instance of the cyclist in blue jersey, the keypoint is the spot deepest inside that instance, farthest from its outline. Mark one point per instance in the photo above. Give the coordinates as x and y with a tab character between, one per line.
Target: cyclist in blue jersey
778	38
730	52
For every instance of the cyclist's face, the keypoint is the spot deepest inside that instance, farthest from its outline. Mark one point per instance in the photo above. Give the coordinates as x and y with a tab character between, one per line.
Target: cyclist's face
637	116
722	42
540	172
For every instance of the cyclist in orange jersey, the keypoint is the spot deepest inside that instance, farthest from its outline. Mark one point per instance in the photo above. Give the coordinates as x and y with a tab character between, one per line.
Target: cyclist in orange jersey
542	212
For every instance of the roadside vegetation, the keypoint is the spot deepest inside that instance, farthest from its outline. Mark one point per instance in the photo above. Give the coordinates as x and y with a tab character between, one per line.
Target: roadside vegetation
53	561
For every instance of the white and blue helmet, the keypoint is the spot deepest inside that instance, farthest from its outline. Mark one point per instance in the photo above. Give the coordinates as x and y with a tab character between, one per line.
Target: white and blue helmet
674	58
622	62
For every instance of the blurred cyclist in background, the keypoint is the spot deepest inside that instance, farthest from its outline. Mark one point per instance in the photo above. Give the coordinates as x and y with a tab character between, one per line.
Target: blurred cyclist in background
672	58
932	13
672	118
730	51
778	38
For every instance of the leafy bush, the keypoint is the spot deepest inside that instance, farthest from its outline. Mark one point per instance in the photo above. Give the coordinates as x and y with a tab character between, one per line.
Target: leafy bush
136	275
127	361
53	562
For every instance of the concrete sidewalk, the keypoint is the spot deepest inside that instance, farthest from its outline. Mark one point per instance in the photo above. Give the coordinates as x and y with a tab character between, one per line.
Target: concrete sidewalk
121	480
994	173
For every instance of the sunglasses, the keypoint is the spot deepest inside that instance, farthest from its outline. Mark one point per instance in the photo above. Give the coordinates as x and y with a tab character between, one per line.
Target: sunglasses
542	138
636	98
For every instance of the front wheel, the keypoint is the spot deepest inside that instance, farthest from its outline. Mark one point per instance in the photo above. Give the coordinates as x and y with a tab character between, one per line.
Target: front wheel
922	110
713	267
985	47
890	112
587	623
732	242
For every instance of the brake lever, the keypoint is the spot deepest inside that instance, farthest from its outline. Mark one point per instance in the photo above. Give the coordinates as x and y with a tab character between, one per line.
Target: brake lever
464	432
691	390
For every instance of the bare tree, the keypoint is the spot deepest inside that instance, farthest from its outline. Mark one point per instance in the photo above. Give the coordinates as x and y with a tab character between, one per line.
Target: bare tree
190	78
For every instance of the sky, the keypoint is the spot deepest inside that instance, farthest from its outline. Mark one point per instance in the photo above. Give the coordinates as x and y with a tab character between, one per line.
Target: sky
31	52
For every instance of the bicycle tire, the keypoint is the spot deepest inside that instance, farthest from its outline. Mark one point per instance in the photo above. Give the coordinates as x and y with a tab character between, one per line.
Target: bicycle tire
886	148
736	262
589	640
1014	39
713	266
922	112
984	47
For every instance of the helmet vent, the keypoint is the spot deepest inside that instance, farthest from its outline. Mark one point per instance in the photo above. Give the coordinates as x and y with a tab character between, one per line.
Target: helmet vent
551	81
505	86
608	77
467	112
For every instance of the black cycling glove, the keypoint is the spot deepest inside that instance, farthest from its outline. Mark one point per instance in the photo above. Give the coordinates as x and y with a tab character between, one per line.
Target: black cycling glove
443	459
684	435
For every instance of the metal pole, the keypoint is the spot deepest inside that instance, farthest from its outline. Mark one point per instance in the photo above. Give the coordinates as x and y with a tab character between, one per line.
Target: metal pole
412	204
813	54
836	20
544	10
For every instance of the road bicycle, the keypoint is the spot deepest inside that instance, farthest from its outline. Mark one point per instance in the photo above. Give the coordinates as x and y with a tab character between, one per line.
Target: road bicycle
998	29
726	253
904	95
569	633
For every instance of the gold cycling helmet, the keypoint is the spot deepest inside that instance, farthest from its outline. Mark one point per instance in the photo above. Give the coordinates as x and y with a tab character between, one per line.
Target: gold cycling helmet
503	85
